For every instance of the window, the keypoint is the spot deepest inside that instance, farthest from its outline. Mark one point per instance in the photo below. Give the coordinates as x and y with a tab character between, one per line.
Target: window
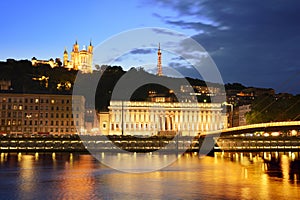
36	100
62	123
52	101
62	115
104	125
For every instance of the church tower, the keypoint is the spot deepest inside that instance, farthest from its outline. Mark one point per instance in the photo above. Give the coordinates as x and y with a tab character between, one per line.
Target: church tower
80	59
75	56
159	67
66	57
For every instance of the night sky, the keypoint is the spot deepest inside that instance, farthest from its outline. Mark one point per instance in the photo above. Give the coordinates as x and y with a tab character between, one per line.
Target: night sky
254	42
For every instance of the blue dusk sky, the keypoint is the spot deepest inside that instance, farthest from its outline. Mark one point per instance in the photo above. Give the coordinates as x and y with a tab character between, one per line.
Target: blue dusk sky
254	42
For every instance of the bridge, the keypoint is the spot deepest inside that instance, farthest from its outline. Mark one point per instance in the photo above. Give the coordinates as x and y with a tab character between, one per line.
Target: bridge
266	127
230	139
243	138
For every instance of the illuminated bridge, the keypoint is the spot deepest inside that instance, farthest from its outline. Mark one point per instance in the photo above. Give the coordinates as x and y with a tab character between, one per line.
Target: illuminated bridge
273	136
265	127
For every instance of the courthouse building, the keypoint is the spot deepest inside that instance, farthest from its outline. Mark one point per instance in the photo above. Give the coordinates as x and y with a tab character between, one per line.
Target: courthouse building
162	118
41	113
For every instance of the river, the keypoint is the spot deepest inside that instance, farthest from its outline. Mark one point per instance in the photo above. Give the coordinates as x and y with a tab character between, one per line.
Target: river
81	176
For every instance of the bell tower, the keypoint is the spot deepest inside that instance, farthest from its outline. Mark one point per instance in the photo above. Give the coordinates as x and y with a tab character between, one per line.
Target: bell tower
66	57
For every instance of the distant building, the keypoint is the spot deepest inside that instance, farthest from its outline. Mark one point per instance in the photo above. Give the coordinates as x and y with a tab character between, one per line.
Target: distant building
151	118
243	110
41	113
153	96
50	62
247	95
190	93
80	59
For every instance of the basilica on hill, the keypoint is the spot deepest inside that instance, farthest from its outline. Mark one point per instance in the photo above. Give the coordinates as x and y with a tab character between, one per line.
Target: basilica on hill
81	60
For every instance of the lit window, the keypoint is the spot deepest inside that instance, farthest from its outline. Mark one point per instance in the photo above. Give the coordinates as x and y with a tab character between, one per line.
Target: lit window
36	100
52	101
20	107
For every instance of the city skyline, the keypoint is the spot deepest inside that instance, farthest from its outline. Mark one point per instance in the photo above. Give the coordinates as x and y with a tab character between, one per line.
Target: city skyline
251	43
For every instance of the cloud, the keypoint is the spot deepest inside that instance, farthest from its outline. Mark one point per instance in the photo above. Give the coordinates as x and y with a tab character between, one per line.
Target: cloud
252	42
166	32
142	51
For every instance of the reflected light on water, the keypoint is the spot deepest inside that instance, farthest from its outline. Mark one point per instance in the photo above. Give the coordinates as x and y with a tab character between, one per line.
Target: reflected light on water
80	176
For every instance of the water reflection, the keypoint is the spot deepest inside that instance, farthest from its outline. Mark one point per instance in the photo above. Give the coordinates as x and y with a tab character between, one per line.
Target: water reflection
282	165
78	176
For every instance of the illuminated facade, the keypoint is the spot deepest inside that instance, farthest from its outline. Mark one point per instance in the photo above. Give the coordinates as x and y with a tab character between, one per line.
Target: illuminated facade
151	118
80	59
40	113
50	62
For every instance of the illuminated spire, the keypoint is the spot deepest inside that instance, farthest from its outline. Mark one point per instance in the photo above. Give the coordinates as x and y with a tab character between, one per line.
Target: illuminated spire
159	67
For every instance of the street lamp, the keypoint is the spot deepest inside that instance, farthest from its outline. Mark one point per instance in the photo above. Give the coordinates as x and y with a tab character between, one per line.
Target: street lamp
231	111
